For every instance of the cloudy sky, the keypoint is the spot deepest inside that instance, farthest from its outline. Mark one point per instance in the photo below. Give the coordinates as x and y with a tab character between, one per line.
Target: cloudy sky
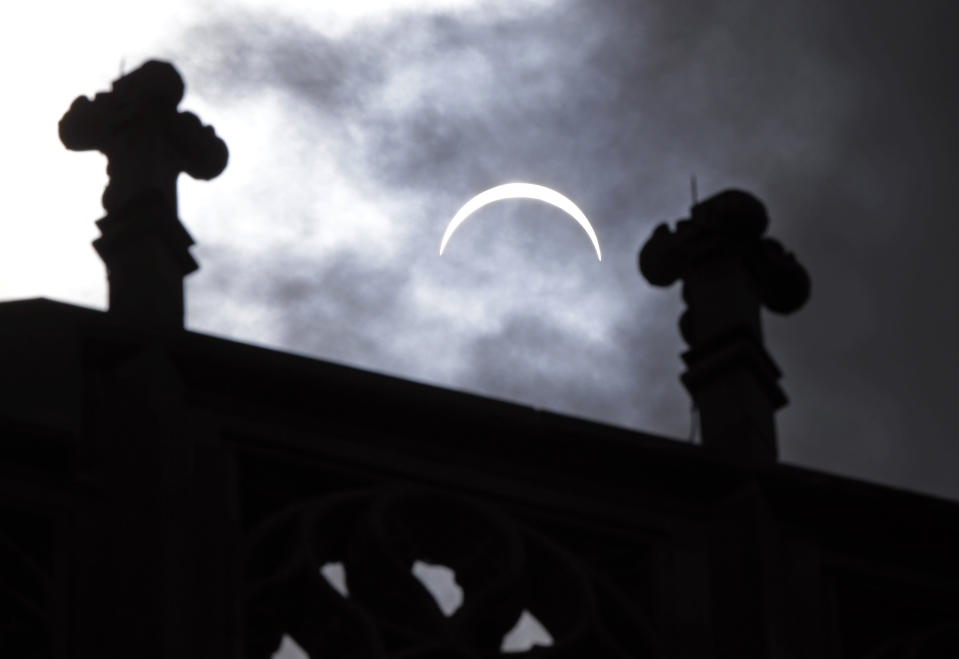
356	130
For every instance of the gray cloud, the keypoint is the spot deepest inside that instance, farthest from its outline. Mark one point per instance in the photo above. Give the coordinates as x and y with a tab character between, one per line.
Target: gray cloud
842	121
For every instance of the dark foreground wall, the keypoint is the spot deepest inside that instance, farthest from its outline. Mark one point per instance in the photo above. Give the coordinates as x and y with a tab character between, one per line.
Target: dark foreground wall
176	495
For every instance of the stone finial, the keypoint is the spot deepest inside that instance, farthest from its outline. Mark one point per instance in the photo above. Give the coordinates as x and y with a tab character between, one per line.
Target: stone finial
729	270
147	142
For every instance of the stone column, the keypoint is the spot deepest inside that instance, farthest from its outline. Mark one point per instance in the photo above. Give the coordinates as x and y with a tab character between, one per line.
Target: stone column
729	270
153	542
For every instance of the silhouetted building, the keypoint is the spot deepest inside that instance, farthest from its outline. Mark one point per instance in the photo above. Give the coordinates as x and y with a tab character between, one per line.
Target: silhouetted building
169	494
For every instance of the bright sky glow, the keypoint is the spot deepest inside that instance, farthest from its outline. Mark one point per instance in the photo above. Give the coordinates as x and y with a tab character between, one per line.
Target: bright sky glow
55	51
521	191
440	581
335	575
289	649
527	633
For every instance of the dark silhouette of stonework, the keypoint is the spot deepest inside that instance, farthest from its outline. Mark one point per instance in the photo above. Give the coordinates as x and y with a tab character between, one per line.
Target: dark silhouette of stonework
165	494
729	270
147	142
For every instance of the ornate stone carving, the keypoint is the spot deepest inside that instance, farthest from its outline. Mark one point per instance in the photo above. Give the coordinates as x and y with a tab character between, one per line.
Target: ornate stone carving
502	566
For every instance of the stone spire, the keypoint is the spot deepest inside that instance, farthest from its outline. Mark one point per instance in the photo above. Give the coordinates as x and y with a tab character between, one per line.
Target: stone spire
147	143
729	270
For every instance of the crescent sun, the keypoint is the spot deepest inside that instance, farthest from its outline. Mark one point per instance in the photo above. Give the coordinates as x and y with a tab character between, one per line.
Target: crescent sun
521	191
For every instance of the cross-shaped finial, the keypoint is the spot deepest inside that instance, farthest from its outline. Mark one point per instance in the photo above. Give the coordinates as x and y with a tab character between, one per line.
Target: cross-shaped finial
725	233
729	270
147	142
